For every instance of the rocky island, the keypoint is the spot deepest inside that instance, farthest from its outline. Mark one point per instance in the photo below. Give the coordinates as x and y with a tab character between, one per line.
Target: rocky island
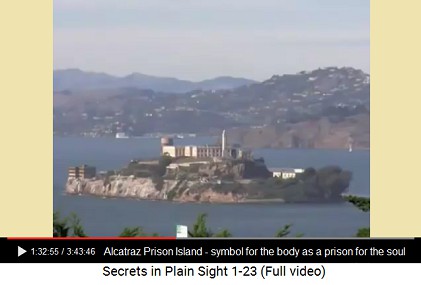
219	173
210	180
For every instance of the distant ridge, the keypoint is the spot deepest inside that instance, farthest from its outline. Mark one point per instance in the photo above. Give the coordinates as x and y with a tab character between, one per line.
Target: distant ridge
76	79
320	108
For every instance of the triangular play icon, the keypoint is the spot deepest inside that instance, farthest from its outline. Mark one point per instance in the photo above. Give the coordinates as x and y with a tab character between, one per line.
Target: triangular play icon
20	251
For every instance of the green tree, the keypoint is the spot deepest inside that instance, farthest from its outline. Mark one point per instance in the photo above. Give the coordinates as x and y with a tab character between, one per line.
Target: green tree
164	161
71	226
308	173
68	226
200	229
332	181
285	231
223	233
76	225
132	232
60	227
363	232
363	204
135	232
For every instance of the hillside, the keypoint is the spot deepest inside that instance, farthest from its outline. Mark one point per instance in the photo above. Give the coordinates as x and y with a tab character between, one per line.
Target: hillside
323	108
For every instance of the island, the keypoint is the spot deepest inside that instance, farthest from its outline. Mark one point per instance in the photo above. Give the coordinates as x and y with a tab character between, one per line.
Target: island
211	173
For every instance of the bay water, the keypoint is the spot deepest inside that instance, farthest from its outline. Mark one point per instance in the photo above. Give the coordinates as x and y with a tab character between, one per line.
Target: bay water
108	217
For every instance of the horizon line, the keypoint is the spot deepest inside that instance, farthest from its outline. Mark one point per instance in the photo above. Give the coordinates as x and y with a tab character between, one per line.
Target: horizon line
211	78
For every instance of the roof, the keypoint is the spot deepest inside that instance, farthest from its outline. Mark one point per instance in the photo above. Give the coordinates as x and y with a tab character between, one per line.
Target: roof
293	170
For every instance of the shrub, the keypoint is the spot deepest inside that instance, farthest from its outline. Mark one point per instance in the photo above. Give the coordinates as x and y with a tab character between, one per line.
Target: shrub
171	195
158	181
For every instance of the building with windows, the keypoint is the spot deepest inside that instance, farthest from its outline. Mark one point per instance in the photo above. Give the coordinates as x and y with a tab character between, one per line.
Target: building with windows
222	151
286	173
82	172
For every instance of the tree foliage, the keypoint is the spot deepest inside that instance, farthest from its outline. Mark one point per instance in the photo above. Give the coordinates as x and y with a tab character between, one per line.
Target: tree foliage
283	232
132	232
361	203
71	226
324	184
363	232
76	225
60	227
135	232
223	233
332	181
286	231
164	161
200	229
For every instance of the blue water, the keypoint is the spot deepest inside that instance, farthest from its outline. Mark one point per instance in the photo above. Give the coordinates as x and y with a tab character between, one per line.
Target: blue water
107	217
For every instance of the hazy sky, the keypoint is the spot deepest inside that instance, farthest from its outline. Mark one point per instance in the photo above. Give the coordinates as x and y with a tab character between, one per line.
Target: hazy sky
200	39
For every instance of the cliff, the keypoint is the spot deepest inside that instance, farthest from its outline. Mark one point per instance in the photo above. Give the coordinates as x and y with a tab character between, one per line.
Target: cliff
214	182
188	181
145	188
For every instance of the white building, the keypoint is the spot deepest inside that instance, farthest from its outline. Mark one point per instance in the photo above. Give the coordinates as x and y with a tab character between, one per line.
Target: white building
286	173
222	151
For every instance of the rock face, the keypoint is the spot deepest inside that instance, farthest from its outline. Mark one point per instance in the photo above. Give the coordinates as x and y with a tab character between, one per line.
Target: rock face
215	182
118	187
145	188
231	181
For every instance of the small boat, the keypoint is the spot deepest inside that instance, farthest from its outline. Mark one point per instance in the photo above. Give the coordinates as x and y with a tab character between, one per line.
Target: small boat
121	136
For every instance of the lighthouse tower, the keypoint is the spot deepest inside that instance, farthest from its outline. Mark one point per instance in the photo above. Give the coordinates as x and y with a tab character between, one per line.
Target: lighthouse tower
224	143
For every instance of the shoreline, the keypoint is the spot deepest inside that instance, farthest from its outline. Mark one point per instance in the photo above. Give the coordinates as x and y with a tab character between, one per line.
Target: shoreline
244	201
262	201
247	146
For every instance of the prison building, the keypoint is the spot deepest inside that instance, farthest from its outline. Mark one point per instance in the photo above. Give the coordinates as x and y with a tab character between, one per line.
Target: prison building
82	172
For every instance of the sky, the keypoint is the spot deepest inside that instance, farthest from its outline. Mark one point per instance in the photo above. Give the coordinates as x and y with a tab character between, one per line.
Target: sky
202	39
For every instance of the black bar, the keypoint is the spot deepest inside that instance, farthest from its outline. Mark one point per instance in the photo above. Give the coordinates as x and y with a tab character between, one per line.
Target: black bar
92	251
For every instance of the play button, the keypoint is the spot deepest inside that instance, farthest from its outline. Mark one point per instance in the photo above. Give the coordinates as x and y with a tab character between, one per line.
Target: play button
20	251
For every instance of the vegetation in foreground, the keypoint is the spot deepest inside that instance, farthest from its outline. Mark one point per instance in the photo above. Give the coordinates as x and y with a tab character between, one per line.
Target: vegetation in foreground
363	204
71	225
